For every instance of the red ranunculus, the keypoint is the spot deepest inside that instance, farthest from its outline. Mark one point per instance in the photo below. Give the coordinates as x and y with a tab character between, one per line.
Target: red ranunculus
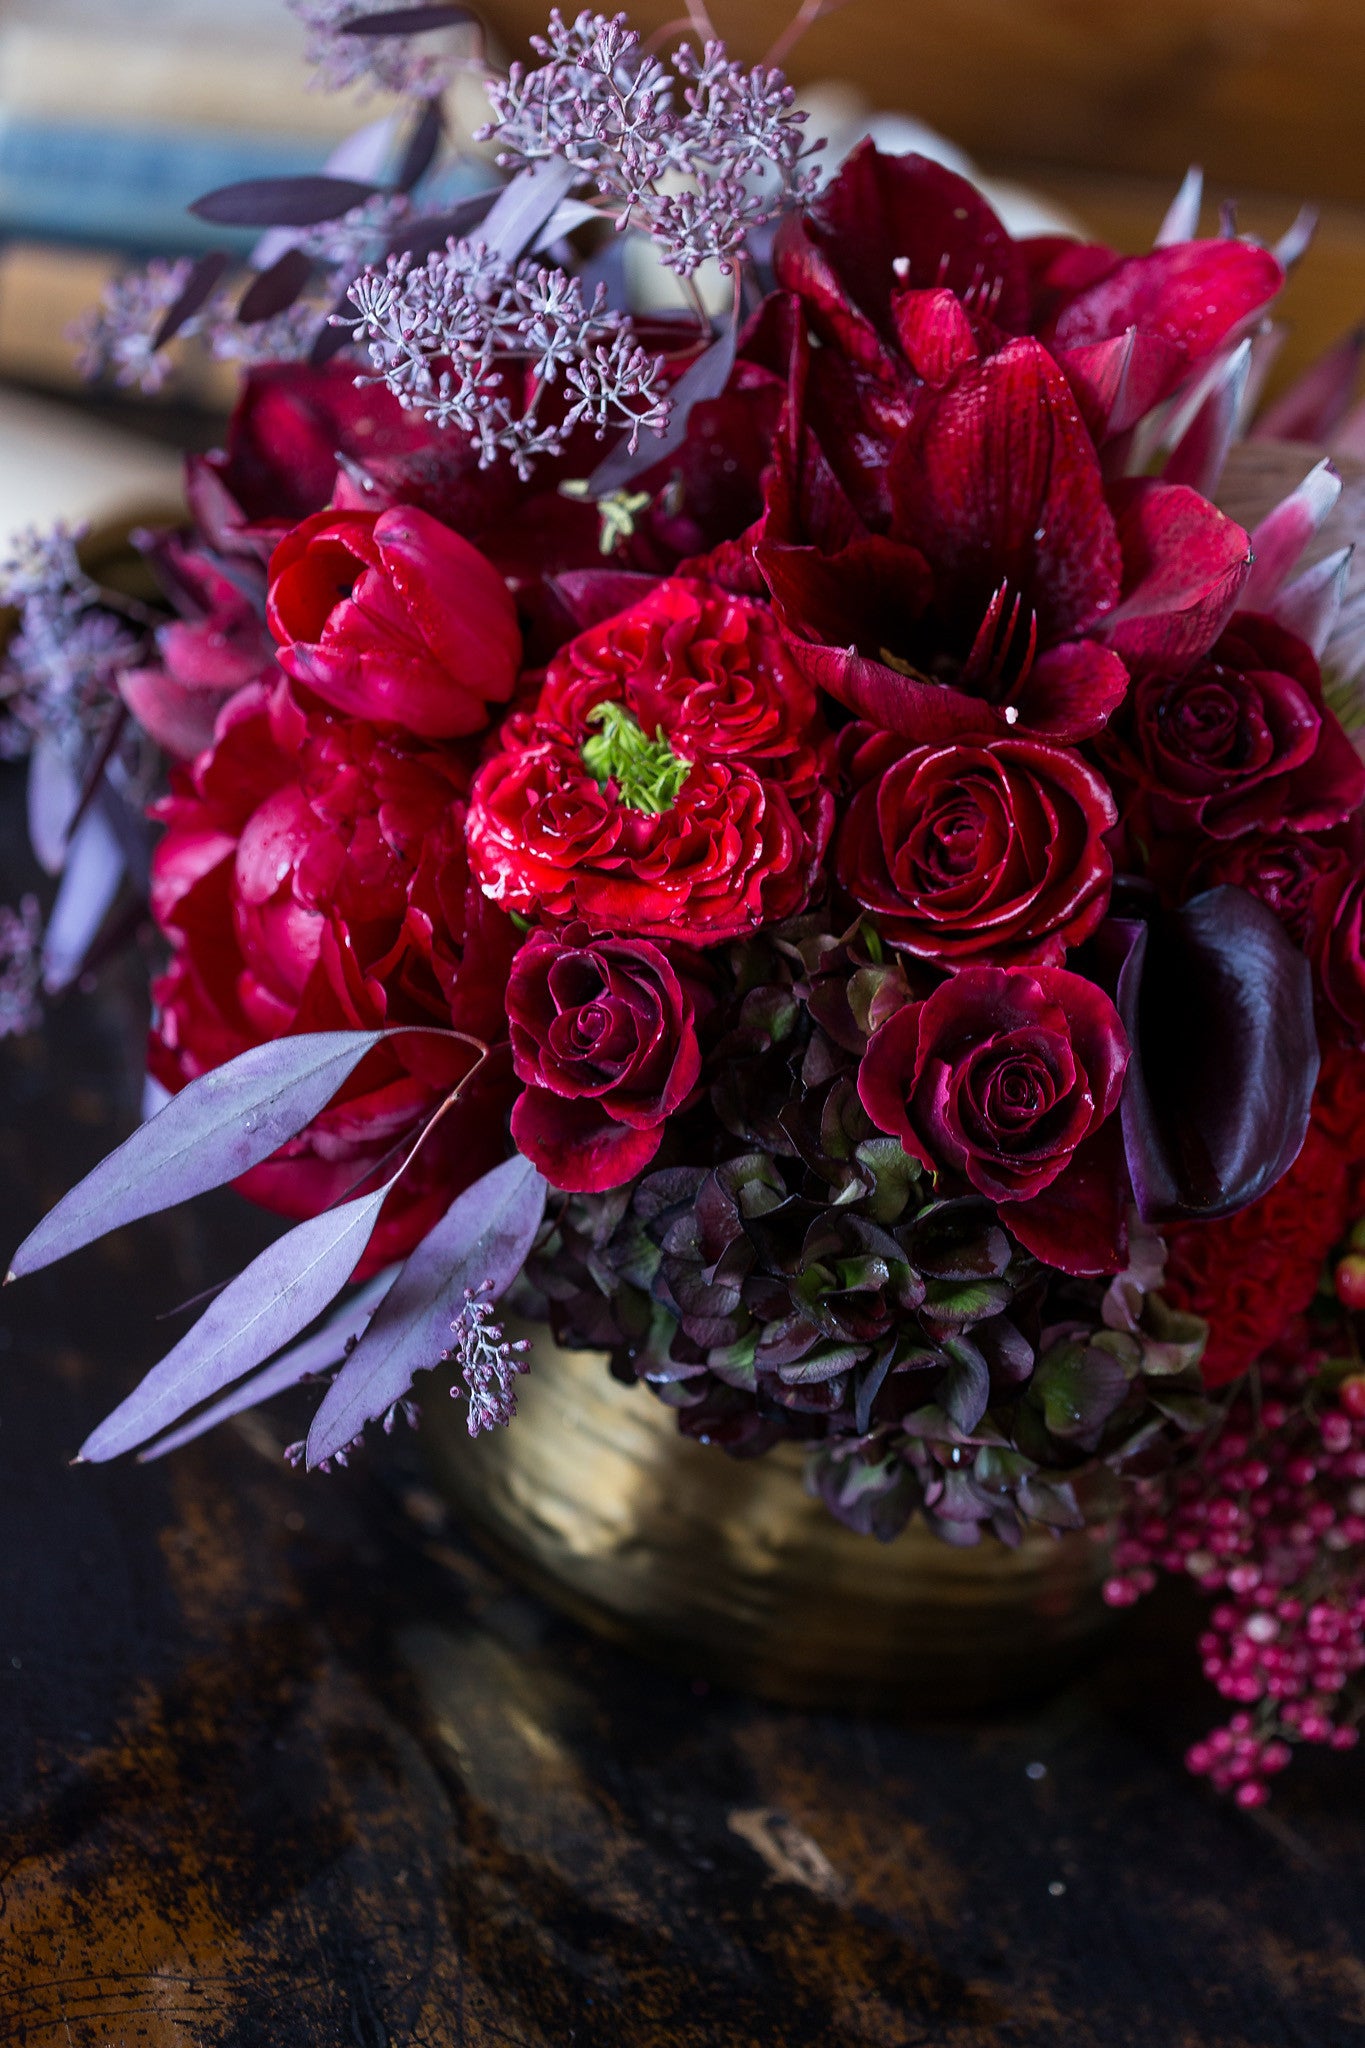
671	781
392	617
1008	1078
604	1035
206	657
988	847
313	878
1242	742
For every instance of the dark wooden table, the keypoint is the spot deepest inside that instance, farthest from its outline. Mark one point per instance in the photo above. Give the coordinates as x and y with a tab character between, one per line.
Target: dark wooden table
283	1762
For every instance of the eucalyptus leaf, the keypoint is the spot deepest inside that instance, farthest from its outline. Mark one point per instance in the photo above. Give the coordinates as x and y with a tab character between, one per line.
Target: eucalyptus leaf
211	1132
706	378
482	1239
278	1294
91	879
524	205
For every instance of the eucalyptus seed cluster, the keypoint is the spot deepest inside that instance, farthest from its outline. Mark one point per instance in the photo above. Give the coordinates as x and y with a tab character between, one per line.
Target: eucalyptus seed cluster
785	1270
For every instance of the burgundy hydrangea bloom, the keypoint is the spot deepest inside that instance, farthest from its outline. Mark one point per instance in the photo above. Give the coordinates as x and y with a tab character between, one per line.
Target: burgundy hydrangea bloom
206	657
313	878
983	849
1242	742
604	1035
671	782
392	616
1009	1079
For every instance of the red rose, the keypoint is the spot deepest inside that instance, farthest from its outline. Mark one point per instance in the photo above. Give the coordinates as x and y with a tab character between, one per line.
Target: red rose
604	1035
393	617
986	847
1296	876
313	878
1241	742
671	781
1341	959
1005	1077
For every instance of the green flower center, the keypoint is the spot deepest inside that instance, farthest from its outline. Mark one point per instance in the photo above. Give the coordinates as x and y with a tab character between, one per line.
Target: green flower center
647	773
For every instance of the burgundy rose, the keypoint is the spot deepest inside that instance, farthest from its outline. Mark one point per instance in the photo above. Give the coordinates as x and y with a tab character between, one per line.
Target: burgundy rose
1005	1078
392	617
214	650
313	878
1341	958
604	1035
1241	742
670	782
990	847
1296	876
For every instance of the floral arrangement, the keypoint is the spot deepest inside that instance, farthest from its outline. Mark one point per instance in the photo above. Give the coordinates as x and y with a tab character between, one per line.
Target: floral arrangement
803	850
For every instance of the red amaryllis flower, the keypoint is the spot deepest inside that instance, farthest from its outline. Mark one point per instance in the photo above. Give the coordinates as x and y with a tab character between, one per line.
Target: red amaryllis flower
391	616
670	781
313	878
990	847
899	262
1011	584
1240	743
206	657
604	1034
1009	1078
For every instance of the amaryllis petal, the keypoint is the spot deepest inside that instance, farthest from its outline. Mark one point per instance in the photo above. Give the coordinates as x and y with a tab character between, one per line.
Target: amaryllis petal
1184	567
1117	382
1072	690
1192	295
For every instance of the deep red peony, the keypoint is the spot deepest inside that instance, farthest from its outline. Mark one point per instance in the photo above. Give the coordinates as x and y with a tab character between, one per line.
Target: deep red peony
604	1035
313	878
1005	1077
390	616
671	781
990	848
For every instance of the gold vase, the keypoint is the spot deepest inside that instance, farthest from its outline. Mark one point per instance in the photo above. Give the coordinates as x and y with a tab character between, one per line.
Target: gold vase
729	1570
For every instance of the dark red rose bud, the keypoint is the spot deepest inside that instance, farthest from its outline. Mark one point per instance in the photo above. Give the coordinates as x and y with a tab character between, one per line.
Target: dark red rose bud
392	617
604	1035
988	848
1004	1077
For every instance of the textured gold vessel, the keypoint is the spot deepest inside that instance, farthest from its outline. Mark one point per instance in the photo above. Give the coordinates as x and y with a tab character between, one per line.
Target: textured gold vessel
730	1571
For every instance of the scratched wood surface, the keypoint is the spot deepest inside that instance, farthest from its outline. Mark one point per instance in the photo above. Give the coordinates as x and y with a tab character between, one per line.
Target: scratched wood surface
282	1762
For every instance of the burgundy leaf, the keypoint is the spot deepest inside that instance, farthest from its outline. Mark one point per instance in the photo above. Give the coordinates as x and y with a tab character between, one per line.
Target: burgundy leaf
277	1295
213	1131
197	288
482	1239
1218	1007
326	1347
276	289
406	21
420	147
283	202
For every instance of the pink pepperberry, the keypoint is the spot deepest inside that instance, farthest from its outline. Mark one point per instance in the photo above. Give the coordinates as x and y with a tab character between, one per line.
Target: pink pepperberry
1351	1394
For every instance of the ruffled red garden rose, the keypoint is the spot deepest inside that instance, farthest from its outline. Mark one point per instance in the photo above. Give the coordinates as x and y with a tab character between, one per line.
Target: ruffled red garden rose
392	617
1295	875
1008	1078
670	782
1242	742
984	848
604	1035
313	878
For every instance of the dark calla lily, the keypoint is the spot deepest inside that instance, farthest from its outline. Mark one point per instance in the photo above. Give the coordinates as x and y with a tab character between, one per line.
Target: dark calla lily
1218	1007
